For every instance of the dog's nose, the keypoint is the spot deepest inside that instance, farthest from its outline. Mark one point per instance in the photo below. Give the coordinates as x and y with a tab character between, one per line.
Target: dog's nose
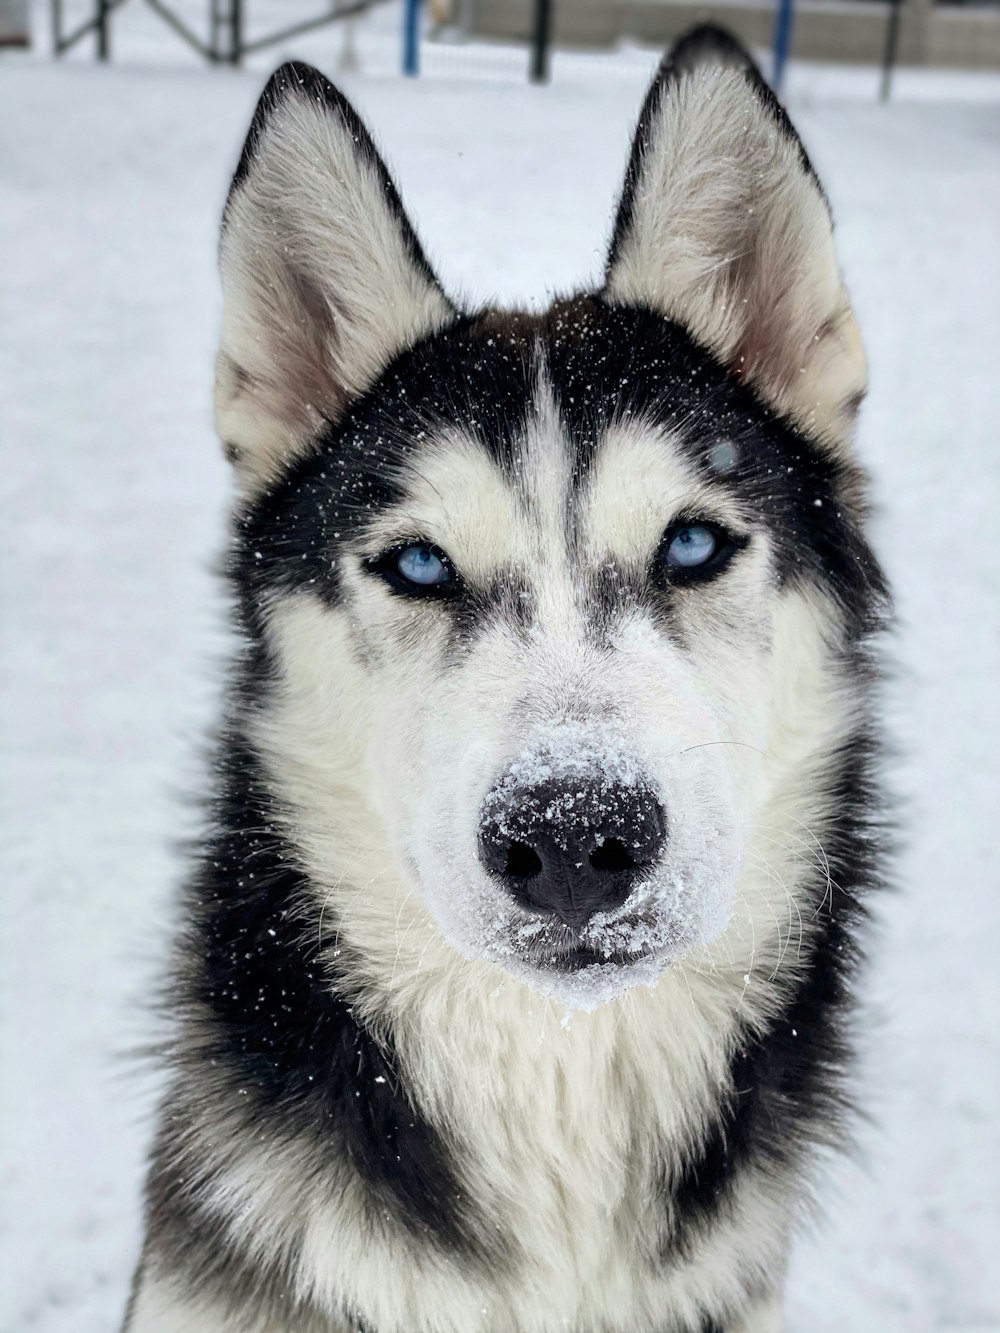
571	847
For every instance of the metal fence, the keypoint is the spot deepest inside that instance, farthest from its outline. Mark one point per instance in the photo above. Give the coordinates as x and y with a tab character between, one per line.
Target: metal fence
225	43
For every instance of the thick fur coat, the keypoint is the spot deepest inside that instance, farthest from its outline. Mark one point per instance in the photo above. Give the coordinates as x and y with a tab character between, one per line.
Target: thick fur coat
411	1090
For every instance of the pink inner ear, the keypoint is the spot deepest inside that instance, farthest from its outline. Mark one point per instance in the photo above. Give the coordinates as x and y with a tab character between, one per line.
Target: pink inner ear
766	350
728	232
323	280
798	346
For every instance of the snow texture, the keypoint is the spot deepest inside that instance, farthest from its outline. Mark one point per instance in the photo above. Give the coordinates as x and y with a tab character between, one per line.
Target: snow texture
114	494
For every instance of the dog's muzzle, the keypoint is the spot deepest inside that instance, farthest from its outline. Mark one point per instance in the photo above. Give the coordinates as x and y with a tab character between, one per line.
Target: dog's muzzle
569	848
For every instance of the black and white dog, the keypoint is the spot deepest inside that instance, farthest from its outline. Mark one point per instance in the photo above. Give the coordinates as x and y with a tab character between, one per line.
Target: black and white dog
518	954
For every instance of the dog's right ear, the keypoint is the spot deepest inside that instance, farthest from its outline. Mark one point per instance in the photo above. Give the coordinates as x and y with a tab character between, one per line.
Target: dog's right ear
724	227
324	281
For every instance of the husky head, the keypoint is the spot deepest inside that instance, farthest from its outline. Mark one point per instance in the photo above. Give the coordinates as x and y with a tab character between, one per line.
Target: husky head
543	608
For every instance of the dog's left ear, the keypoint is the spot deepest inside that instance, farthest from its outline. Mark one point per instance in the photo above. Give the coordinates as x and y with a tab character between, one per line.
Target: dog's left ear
324	281
724	227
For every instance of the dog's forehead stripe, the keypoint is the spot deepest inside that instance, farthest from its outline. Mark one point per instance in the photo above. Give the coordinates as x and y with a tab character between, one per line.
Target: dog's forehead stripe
564	490
540	403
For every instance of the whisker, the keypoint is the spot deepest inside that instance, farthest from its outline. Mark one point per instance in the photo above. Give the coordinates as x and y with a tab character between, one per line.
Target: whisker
817	855
354	898
824	858
753	953
769	870
703	745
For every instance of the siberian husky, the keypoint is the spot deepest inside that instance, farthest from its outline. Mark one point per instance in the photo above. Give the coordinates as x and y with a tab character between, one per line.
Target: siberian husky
513	989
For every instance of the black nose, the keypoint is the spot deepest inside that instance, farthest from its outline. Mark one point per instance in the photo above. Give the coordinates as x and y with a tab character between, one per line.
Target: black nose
571	847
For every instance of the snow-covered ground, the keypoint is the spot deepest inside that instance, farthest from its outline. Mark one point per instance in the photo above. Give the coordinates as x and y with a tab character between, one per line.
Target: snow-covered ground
113	502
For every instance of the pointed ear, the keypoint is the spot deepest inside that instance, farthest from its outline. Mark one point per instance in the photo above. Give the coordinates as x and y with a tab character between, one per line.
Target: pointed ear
724	227
324	281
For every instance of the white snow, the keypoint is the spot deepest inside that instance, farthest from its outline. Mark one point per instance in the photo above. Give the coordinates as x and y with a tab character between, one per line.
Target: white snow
114	494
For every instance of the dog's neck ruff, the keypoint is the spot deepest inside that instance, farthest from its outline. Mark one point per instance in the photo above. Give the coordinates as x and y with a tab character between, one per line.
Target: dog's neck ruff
480	1119
527	1166
383	1116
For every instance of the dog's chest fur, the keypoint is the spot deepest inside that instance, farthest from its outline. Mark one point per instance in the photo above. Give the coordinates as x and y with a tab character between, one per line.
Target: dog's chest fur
378	1120
570	1135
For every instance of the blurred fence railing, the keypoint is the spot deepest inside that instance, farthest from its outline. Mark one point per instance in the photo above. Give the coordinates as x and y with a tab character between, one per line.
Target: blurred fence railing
961	36
226	42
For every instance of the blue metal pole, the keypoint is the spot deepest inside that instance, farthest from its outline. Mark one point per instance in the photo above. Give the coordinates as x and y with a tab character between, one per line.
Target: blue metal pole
411	38
782	40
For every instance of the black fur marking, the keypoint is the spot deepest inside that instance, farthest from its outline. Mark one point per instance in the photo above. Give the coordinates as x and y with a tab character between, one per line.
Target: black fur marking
188	1246
296	79
616	364
270	1042
185	1241
787	1086
466	378
286	1051
613	592
704	45
506	600
607	365
296	1041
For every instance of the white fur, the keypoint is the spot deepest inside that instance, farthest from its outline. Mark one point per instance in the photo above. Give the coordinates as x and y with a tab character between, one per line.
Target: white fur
444	733
766	1318
319	288
556	1096
732	237
163	1306
557	1113
564	1118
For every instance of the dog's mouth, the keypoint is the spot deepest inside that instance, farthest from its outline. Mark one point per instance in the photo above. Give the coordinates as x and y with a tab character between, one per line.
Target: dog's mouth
587	967
582	957
554	947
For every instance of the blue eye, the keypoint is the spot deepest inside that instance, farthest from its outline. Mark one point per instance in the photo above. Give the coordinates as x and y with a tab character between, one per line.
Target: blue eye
696	549
417	569
422	565
692	546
